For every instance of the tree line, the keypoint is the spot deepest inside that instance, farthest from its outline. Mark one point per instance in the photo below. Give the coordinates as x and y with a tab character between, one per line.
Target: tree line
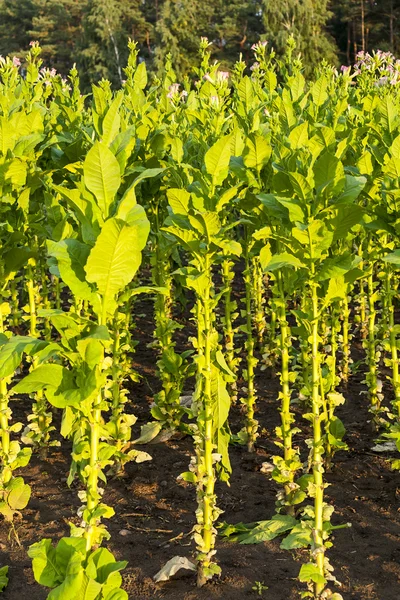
94	33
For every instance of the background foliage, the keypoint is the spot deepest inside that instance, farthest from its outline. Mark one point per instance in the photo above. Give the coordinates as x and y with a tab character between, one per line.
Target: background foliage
94	33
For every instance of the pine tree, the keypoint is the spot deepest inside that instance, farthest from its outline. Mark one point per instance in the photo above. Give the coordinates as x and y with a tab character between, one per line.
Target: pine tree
178	31
107	26
307	21
238	25
56	24
15	24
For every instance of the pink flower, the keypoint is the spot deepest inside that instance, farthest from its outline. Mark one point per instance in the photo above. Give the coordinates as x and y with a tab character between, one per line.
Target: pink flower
222	75
16	61
207	77
173	89
344	69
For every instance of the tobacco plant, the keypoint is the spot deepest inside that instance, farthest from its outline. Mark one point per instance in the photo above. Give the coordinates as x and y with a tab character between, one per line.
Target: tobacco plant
196	224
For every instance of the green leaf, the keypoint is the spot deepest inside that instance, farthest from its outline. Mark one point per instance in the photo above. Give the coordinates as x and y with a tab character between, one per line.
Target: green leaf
298	137
71	256
319	91
44	564
114	260
148	432
245	92
329	174
15	259
112	121
268	530
44	376
352	188
337	289
117	595
346	217
300	537
257	152
217	160
337	266
179	201
102	175
393	258
3	577
11	352
294	207
310	572
283	260
19	493
265	256
140	76
336	428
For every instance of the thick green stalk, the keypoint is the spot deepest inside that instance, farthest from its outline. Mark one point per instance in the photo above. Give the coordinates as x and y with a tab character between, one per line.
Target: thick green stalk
372	377
363	312
317	469
208	445
42	417
227	277
286	416
389	285
251	423
32	302
14	304
4	417
259	301
57	293
117	407
345	338
92	482
332	382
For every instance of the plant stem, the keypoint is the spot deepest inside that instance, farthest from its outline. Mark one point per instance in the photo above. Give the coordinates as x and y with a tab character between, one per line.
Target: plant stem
345	335
92	482
6	473
286	416
227	277
251	423
317	446
372	375
390	290
208	445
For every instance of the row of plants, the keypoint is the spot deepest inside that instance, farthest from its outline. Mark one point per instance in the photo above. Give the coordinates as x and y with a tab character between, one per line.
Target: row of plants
178	191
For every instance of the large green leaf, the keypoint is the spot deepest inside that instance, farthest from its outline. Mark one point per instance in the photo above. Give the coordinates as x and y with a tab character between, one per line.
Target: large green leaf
114	260
44	564
11	352
50	375
71	256
112	121
19	493
102	175
217	160
278	261
257	152
179	201
329	174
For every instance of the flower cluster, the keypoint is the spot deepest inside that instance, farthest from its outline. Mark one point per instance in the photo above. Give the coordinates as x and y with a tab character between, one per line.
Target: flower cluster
174	94
15	61
379	68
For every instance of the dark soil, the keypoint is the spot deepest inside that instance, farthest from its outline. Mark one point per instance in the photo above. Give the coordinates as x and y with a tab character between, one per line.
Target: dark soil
155	514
